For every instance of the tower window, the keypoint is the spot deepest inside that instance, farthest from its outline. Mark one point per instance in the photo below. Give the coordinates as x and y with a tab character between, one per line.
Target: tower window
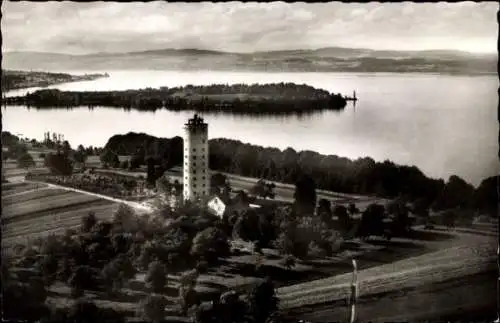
194	149
194	157
194	164
194	185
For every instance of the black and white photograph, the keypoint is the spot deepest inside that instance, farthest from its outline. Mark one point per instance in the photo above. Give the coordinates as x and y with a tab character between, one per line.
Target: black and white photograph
249	162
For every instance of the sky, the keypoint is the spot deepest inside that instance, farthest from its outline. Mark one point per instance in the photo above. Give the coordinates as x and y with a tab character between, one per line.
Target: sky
81	28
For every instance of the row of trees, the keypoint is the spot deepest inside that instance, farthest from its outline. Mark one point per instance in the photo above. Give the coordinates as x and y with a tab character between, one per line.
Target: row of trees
329	172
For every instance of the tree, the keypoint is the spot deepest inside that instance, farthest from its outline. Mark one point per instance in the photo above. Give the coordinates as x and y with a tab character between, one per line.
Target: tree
84	277
263	189
262	301
86	311
449	218
25	161
372	221
22	300
153	308
210	244
59	164
138	158
189	297
108	158
485	198
247	226
124	164
344	221
305	195
130	185
353	210
421	208
150	174
80	155
401	220
288	262
118	271
219	185
125	219
456	193
66	148
156	277
88	222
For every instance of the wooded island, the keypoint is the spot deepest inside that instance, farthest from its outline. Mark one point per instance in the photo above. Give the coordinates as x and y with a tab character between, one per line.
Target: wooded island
255	98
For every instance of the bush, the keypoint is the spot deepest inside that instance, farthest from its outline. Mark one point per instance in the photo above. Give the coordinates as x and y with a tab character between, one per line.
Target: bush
88	222
25	161
210	244
288	262
315	251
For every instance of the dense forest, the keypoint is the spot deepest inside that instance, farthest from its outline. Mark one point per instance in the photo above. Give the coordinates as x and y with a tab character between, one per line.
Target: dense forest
240	98
360	176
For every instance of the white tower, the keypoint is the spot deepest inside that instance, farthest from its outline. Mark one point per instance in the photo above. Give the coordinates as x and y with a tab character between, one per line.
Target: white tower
195	177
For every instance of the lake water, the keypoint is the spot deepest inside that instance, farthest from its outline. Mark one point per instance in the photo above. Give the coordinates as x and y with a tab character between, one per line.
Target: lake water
443	124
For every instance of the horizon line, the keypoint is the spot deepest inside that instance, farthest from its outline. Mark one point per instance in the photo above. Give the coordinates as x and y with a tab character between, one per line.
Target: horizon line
257	51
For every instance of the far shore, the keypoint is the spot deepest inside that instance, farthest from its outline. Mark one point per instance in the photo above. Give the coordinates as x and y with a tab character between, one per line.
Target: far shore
16	80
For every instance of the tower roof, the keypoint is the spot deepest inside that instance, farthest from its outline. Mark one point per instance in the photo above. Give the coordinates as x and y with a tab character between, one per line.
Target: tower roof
196	121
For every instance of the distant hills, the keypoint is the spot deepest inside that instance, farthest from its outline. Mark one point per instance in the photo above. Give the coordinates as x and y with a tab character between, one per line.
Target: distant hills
332	59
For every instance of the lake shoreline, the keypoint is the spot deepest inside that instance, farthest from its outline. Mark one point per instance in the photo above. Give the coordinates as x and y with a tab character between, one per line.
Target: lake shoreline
17	79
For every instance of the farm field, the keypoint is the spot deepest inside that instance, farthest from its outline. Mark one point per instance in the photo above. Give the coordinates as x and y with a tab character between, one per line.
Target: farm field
430	302
400	284
9	189
28	213
33	207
